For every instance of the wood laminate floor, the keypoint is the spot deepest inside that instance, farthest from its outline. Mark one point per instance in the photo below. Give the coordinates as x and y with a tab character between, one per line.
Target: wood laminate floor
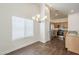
53	47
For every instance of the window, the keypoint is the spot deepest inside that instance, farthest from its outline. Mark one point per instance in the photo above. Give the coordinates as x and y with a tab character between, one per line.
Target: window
21	28
28	28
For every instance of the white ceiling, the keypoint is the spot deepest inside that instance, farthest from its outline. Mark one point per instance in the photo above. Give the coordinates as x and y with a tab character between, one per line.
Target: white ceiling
62	9
66	7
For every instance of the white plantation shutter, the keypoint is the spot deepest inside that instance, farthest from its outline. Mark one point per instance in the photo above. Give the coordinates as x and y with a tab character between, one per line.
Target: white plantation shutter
21	28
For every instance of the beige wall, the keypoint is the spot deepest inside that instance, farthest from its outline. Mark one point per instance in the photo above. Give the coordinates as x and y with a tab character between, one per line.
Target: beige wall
73	22
45	25
25	11
20	10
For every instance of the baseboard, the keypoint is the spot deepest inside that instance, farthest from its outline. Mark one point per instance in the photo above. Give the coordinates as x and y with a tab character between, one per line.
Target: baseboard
13	49
45	41
24	45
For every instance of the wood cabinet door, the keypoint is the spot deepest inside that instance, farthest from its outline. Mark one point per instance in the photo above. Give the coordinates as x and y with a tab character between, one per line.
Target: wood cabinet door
72	43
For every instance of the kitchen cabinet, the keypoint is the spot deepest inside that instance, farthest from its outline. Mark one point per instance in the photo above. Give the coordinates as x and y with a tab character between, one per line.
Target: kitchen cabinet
72	43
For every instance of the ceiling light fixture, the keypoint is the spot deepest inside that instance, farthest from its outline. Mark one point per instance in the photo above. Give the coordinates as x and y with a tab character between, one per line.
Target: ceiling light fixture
38	18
